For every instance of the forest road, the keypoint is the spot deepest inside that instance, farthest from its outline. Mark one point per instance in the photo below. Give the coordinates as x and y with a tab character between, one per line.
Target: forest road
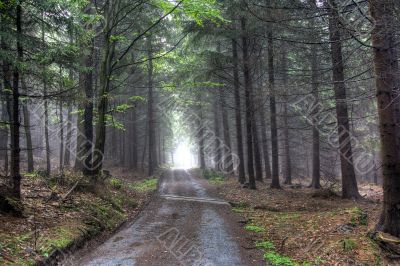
182	225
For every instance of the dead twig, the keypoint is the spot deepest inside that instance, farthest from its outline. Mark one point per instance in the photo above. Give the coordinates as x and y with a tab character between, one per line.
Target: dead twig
70	191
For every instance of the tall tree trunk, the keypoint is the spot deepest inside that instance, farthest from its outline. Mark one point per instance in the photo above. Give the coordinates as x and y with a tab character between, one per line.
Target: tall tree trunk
87	78
151	119
257	151
144	148
238	113
264	140
6	115
249	107
383	43
200	135
228	164
15	125
287	171
218	149
61	157
46	112
27	127
134	140
274	128
67	155
316	171
105	74
349	182
61	138
46	131
80	142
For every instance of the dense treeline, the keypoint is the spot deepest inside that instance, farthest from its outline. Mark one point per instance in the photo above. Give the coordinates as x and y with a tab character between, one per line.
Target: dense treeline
263	90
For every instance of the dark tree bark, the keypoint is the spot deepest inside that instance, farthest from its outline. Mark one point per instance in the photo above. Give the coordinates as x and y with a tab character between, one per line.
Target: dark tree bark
87	83
274	128
238	114
264	139
316	171
105	84
67	154
46	112
27	127
151	119
287	168
225	130
134	140
349	182
383	43
80	142
257	152
249	107
61	138
200	134
46	131
218	149
15	125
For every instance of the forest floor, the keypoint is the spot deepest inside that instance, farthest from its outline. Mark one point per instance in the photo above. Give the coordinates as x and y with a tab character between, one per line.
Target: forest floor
52	225
296	226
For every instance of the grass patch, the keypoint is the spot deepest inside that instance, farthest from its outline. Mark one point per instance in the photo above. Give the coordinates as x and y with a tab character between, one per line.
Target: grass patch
276	259
254	228
105	216
214	177
146	186
115	183
267	245
359	217
348	244
61	237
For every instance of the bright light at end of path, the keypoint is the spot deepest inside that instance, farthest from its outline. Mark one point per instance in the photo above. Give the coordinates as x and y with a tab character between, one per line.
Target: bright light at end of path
183	157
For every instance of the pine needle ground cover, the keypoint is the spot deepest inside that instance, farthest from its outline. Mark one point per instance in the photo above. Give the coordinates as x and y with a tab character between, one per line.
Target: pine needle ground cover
293	226
51	224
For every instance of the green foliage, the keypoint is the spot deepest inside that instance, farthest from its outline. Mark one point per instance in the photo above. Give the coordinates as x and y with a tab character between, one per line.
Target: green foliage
214	177
348	244
112	122
276	259
359	217
116	183
239	207
254	228
147	185
265	245
122	108
105	215
137	98
62	237
197	10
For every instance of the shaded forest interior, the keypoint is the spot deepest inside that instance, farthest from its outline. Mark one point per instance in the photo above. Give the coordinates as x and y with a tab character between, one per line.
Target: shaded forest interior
274	94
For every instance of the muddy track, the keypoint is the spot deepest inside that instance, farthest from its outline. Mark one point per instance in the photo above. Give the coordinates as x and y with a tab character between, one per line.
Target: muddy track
182	225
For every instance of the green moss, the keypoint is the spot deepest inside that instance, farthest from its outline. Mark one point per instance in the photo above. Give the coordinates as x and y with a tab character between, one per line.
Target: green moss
276	259
61	237
214	177
105	215
359	217
238	210
348	244
115	183
146	186
265	245
254	228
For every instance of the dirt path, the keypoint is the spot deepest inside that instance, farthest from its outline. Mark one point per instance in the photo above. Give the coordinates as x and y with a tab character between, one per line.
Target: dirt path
181	226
